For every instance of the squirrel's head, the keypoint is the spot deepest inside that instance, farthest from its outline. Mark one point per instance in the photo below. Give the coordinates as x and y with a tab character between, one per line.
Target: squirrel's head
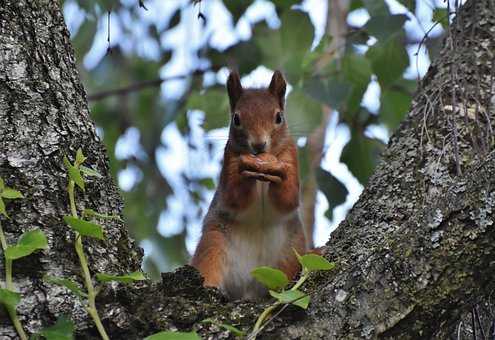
257	122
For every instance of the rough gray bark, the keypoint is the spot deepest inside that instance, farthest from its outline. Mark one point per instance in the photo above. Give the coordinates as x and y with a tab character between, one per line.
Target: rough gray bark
414	253
44	116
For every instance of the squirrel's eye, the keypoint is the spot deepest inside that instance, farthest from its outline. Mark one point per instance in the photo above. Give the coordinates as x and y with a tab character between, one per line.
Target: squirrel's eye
236	119
279	117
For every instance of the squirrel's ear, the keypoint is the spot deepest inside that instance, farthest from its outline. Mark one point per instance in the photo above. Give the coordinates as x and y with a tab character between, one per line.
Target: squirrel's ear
277	87
234	88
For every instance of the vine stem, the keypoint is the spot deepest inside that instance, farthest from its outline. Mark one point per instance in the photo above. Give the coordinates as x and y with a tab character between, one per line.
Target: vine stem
10	286
264	315
91	308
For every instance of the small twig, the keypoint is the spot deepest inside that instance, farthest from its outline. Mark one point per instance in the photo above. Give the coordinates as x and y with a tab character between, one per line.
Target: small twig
109	49
141	4
142	85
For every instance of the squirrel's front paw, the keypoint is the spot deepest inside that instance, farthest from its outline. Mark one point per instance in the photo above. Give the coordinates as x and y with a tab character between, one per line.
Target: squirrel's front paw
264	163
260	176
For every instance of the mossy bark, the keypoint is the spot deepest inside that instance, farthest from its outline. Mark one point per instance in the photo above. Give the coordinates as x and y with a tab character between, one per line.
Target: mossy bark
416	251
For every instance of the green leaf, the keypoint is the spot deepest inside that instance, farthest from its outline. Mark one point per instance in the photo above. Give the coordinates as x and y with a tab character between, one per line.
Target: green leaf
286	47
357	70
67	283
75	175
284	4
80	158
91	212
333	90
237	8
393	107
89	172
234	330
440	15
85	228
28	243
383	26
207	182
409	4
62	330
313	262
295	297
2	184
131	277
376	7
2	208
296	31
361	156
9	298
214	103
271	278
174	336
303	113
332	188
67	164
389	60
11	193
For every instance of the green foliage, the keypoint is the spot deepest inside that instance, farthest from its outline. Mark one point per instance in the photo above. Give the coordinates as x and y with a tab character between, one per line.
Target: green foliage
85	228
295	297
89	172
174	336
63	329
303	112
74	173
393	108
440	15
129	278
361	155
357	70
7	193
29	242
287	47
271	278
214	103
67	283
389	60
313	263
333	189
9	298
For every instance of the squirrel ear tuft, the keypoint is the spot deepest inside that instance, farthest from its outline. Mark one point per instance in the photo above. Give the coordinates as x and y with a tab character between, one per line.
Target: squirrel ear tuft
277	87
234	88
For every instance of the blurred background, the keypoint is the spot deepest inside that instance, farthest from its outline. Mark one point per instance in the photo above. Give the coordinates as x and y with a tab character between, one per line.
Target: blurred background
155	72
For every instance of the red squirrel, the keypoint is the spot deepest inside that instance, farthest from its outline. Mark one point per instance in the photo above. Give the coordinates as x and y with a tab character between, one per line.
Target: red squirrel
253	219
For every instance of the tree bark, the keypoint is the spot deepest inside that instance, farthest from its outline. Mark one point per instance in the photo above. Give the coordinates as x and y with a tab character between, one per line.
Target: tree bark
44	116
414	253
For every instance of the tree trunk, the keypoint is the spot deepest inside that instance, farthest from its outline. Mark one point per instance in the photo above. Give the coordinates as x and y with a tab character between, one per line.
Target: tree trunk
414	253
44	116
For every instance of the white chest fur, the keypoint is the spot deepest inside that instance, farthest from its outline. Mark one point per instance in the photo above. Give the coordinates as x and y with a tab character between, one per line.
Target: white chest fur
258	239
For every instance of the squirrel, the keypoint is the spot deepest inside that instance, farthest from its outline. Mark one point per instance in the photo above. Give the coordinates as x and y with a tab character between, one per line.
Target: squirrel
253	219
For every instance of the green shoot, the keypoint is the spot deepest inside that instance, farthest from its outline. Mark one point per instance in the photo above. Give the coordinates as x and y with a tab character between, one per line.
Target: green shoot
83	228
276	282
28	243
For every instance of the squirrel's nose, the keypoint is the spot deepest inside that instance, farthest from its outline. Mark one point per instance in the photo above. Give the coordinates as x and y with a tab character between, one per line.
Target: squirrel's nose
258	147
